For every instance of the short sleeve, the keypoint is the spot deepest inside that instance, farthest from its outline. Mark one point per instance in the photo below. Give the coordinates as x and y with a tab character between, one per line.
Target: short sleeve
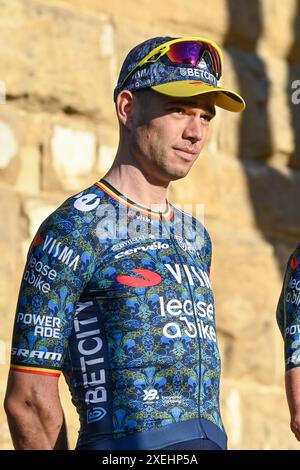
59	264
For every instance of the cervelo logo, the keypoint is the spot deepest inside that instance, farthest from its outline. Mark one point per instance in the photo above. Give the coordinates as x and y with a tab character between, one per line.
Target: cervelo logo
294	262
150	395
95	414
148	278
153	246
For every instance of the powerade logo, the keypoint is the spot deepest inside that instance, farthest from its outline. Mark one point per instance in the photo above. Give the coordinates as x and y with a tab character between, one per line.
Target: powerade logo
95	414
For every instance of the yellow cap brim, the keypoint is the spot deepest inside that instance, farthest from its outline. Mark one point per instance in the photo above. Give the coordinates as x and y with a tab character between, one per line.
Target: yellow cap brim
225	98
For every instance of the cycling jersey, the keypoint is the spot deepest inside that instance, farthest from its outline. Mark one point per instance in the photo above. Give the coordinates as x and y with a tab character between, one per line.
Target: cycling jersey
118	298
288	311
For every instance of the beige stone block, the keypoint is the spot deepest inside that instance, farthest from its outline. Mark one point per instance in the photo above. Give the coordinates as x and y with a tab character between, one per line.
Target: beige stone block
4	351
10	232
256	417
69	154
194	19
28	179
73	153
268	125
279	36
8	145
29	131
274	193
210	182
246	135
108	140
255	25
37	210
57	57
279	106
243	195
106	157
2	92
247	284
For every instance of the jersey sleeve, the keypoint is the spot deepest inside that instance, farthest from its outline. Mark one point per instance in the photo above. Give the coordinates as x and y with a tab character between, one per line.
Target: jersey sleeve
288	311
59	264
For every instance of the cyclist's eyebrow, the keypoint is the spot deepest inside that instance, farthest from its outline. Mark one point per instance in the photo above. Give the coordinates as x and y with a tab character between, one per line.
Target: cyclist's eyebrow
187	102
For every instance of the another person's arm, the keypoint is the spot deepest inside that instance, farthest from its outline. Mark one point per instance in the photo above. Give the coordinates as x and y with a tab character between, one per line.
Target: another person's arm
34	412
288	314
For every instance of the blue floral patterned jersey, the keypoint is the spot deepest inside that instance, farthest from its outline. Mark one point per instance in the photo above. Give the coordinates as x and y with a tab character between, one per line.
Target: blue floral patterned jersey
119	299
288	311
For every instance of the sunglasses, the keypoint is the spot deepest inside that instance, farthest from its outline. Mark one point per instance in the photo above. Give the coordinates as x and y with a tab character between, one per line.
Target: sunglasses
187	51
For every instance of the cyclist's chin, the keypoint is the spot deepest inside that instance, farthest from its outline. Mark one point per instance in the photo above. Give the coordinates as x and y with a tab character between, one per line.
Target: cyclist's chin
177	172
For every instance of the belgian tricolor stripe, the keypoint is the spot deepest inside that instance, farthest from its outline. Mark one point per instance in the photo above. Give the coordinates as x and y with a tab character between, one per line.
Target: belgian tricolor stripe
112	192
36	370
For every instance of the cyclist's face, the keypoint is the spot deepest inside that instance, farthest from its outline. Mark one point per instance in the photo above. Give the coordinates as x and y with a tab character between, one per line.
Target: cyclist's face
168	134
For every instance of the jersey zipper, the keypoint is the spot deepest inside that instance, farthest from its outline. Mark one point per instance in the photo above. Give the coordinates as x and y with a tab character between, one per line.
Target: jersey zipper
196	324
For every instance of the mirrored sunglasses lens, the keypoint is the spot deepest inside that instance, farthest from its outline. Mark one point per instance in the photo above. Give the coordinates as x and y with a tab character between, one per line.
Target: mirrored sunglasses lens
188	52
191	52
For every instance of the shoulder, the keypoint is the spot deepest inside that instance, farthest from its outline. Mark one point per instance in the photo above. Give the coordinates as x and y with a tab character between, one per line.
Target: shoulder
77	215
293	264
69	233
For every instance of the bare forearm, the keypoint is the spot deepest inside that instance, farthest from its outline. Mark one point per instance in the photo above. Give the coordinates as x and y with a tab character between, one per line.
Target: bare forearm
292	385
33	429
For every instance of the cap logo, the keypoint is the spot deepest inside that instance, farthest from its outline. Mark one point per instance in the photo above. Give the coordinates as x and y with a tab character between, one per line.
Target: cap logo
195	72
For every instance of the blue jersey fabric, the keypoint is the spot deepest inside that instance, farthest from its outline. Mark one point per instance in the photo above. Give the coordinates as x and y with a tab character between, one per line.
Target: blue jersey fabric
119	299
288	311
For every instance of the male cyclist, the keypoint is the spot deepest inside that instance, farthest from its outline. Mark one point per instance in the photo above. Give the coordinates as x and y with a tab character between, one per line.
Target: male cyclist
116	292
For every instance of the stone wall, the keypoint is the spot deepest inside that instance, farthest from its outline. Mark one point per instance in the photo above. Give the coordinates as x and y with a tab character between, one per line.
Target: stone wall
58	134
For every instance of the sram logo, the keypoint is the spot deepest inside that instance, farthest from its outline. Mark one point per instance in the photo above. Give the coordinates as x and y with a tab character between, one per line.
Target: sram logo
47	355
147	278
150	395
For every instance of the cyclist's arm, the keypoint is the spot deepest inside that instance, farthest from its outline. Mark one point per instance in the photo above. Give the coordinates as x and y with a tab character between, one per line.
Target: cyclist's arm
59	265
292	385
34	412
